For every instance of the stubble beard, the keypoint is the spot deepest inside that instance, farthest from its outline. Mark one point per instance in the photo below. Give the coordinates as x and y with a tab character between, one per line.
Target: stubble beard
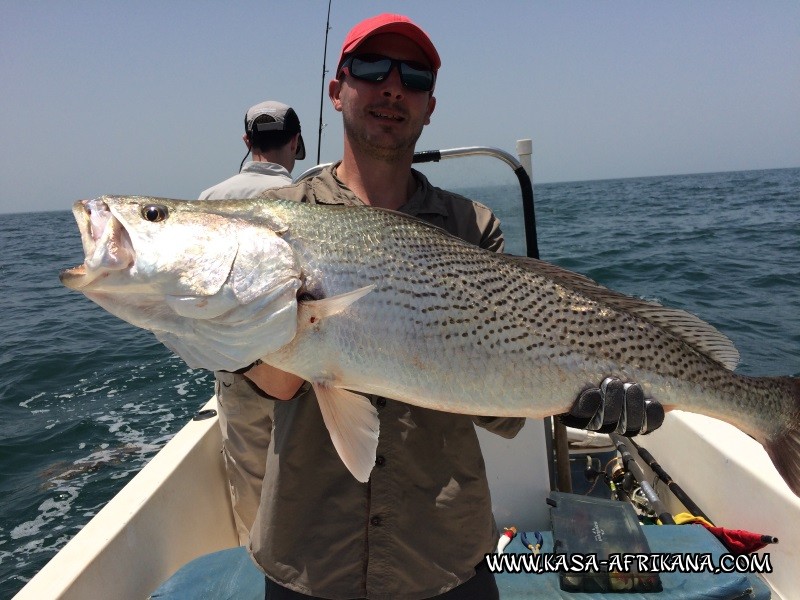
384	148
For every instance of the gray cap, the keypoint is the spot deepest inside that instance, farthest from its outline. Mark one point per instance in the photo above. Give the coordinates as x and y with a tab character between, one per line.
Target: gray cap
285	119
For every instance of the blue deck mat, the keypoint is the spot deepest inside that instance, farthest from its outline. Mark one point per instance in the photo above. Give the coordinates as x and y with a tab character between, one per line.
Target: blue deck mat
224	575
232	574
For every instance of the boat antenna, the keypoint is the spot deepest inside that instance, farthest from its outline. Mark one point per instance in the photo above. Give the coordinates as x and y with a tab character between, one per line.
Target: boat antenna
324	73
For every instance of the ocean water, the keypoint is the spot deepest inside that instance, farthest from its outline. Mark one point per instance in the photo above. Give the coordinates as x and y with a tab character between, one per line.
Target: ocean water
87	399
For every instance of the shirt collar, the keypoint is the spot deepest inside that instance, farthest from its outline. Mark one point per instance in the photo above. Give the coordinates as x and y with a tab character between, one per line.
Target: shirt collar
424	200
265	168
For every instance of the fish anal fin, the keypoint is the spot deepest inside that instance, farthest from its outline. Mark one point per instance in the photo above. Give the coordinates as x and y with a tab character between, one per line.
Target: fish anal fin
327	307
353	425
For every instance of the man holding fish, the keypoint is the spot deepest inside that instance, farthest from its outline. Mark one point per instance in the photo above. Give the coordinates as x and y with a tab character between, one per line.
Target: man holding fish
420	526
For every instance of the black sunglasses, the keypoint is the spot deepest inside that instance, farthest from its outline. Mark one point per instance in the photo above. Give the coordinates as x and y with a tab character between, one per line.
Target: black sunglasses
375	68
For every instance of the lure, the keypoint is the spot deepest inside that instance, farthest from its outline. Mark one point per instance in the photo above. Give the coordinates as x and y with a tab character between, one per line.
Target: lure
507	536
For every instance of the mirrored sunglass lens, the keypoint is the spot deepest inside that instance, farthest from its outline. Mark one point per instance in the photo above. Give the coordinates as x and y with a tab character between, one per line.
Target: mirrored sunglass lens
371	70
418	79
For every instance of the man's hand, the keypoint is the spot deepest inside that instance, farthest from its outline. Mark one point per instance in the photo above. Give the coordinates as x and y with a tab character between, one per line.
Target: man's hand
615	407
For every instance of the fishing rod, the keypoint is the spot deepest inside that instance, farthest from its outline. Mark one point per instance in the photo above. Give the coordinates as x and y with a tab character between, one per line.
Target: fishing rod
651	462
632	466
324	73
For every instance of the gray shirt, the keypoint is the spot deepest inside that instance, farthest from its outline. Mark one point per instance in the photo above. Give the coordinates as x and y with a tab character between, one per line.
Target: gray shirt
254	178
424	520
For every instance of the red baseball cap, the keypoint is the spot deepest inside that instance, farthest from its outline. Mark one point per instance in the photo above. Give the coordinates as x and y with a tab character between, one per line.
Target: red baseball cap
390	23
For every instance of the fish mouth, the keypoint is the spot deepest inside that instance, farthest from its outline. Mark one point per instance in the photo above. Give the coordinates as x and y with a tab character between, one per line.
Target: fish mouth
106	243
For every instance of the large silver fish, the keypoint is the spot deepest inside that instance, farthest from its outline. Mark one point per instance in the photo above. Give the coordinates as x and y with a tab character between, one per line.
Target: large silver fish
362	300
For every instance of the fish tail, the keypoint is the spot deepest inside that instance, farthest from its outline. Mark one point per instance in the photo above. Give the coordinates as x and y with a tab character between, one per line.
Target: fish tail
784	448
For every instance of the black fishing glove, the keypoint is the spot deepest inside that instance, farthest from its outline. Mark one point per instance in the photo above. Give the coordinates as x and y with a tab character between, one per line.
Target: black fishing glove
615	407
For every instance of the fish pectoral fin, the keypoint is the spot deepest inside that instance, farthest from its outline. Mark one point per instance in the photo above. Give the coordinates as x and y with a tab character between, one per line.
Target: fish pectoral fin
326	307
353	424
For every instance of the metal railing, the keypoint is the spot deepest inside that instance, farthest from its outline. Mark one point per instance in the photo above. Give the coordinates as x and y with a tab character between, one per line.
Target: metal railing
523	177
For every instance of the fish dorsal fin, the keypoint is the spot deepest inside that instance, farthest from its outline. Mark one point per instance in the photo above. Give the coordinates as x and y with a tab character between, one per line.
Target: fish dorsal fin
702	336
353	424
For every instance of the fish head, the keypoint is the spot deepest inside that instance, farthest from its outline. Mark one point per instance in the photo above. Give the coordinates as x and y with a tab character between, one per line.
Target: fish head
219	290
150	245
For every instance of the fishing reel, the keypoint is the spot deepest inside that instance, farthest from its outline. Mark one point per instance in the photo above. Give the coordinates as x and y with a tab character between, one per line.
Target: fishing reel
613	474
625	487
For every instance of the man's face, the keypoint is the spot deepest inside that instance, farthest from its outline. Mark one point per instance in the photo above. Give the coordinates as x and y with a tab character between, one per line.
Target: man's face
383	119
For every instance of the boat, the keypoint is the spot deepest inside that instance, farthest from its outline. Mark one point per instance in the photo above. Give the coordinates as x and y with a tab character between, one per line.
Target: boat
177	509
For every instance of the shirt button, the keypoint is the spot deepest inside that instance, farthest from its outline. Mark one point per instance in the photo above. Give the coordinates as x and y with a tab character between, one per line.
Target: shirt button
380	402
375	521
380	461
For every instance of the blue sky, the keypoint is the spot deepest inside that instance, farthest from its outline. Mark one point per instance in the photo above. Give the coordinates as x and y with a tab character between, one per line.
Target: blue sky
148	97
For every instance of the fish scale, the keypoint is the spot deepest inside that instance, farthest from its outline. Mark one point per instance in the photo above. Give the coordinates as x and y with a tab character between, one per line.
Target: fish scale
394	306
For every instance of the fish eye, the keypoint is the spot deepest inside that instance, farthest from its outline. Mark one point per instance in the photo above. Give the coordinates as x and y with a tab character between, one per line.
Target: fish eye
155	213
